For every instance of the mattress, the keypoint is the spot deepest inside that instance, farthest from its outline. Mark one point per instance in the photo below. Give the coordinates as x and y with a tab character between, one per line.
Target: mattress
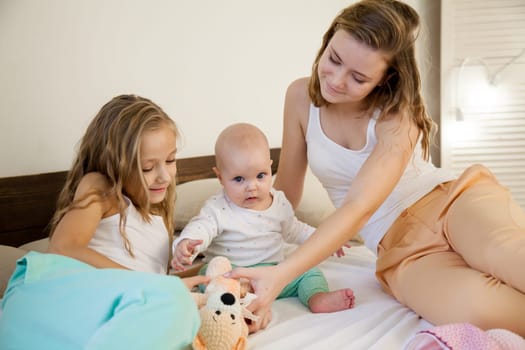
377	321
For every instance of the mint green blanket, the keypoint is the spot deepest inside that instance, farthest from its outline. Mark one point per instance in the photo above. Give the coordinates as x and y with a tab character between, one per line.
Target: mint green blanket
55	302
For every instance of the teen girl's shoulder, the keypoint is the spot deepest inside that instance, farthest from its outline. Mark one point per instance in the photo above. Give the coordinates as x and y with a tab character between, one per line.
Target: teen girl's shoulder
398	129
297	101
297	91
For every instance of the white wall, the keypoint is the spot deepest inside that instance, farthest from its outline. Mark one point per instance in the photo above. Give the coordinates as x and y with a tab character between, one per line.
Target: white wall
208	63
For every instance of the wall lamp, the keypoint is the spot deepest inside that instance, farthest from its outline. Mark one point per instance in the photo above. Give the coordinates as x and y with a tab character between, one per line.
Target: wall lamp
492	79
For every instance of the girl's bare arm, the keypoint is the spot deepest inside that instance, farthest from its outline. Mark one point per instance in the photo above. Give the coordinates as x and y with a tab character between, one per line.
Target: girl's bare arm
76	228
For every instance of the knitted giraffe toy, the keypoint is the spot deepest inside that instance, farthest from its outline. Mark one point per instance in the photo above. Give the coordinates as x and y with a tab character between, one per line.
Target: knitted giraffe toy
223	325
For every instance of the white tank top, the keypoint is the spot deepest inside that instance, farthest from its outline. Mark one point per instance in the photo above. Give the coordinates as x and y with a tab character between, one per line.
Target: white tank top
149	241
336	166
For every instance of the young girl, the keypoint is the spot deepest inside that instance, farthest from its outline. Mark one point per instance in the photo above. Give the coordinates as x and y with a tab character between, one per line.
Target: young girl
114	214
450	249
116	208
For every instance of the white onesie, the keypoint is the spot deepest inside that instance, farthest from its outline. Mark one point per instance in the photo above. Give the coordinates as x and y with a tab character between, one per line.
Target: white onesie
245	236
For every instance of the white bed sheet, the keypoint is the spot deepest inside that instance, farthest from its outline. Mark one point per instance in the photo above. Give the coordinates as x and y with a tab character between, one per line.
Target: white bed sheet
377	321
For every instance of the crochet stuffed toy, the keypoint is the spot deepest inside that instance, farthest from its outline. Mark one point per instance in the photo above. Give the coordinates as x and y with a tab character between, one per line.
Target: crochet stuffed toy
222	311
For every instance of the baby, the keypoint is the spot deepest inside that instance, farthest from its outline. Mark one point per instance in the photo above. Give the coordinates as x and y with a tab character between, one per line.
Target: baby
249	221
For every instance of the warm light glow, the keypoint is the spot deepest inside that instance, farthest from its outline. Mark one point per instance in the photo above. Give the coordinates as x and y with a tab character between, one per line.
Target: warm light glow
462	133
476	94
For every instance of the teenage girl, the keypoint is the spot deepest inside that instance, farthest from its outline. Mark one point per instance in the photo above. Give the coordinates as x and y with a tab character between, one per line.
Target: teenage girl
452	249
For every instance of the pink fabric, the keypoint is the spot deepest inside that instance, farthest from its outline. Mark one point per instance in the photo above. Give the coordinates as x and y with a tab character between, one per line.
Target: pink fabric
465	336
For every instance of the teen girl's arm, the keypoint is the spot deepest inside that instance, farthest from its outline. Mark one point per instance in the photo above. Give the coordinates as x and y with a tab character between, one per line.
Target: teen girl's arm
397	137
289	179
292	160
76	228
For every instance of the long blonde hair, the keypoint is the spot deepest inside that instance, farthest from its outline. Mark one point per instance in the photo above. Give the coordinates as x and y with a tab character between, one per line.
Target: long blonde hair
111	146
391	27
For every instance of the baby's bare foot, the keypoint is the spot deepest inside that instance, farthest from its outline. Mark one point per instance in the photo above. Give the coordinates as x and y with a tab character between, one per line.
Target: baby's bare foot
337	300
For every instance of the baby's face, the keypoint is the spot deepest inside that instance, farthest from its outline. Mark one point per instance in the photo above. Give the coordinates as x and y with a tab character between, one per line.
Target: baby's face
246	176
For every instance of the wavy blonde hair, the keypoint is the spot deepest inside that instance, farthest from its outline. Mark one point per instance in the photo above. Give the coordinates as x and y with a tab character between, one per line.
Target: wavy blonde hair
111	147
391	27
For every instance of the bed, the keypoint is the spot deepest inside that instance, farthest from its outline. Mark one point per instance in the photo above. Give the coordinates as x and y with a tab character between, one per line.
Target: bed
377	321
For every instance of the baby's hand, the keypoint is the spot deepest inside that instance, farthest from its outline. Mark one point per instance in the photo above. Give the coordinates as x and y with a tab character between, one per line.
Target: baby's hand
184	253
340	252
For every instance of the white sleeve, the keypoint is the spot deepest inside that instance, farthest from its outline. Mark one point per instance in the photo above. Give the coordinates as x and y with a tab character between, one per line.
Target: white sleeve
204	226
294	230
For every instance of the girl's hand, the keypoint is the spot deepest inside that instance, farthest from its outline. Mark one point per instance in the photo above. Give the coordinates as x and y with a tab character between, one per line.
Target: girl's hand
266	286
194	281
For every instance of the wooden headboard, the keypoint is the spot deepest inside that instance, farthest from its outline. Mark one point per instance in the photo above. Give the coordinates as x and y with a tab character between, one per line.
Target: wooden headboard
27	202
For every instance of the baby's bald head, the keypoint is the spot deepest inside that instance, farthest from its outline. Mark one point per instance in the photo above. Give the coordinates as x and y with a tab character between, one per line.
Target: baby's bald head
240	137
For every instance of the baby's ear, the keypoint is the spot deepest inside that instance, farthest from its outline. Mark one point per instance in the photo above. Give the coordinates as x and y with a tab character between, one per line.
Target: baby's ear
217	173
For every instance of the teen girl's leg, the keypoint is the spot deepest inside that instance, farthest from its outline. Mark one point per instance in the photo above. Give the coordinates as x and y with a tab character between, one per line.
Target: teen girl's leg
487	228
420	267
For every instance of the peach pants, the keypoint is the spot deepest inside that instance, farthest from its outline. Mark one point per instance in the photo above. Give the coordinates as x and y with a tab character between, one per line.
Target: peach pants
458	255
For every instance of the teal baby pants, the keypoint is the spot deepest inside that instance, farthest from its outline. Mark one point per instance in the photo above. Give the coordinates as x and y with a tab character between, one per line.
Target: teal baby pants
304	287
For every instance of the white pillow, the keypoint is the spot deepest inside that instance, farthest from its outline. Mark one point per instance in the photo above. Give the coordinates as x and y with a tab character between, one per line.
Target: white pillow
8	257
38	245
191	197
315	205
